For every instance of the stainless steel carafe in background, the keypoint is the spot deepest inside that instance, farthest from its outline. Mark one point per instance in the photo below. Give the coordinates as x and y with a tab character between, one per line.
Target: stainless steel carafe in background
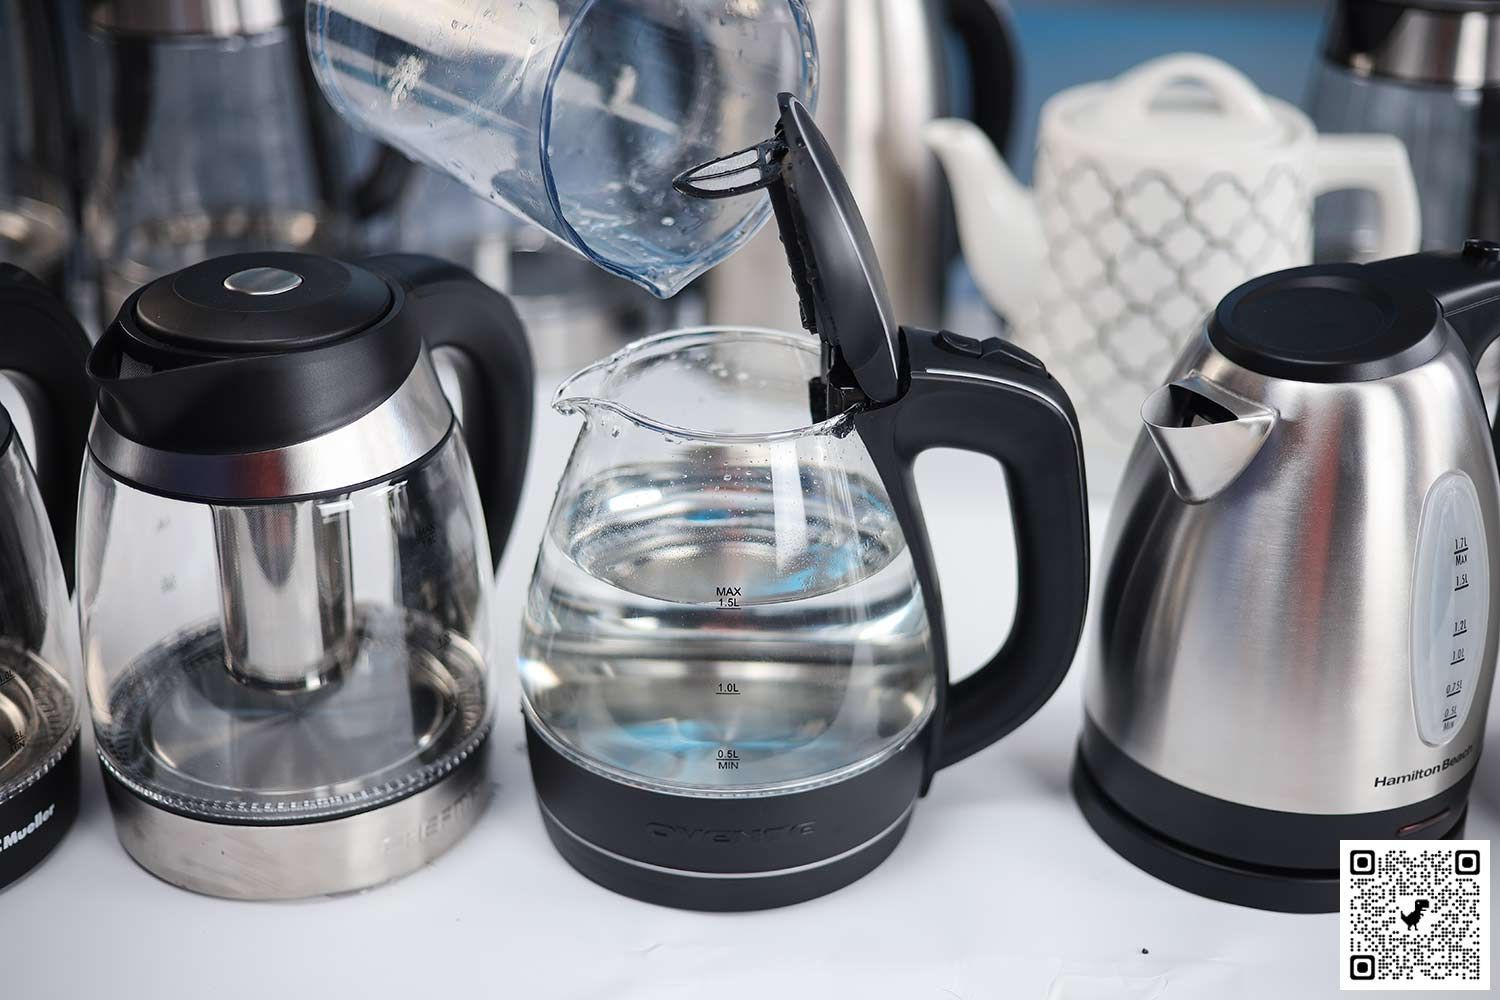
1298	617
1428	72
881	77
209	136
37	119
286	550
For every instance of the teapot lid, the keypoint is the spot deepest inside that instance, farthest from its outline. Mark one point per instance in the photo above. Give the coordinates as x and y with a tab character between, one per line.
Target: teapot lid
1328	323
834	265
1177	102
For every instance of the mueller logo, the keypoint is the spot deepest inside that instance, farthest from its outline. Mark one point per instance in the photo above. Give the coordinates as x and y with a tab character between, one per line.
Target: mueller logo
753	835
14	837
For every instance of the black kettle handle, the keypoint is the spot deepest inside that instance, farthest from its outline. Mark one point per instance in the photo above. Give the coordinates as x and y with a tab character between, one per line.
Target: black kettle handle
41	341
994	399
456	310
984	28
1466	285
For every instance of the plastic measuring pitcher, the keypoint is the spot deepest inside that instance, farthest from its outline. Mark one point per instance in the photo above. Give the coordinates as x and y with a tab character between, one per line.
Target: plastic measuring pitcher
576	114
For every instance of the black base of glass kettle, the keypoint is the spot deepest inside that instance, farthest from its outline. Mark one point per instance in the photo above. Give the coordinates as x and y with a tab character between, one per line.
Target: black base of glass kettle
1297	871
34	821
724	854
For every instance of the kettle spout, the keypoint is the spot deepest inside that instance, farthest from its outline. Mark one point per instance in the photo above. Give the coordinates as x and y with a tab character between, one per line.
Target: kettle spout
1207	435
999	225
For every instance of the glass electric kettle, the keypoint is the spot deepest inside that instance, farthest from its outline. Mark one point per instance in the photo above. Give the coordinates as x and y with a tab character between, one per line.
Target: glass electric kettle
733	665
41	350
284	566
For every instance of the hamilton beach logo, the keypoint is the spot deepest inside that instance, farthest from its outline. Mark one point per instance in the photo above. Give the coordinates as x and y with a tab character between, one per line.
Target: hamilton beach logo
16	836
753	835
1425	772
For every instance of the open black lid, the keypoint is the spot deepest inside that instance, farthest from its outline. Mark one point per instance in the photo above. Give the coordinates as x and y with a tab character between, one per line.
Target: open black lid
833	260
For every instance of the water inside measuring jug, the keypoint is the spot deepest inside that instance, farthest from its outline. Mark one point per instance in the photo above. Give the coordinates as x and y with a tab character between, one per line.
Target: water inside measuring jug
679	641
575	114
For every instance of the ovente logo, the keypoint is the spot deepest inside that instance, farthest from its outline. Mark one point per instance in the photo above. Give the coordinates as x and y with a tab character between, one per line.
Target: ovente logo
16	836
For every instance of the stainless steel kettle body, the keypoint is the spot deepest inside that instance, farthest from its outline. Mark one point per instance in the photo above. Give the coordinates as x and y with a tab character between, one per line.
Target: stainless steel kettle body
881	78
1297	627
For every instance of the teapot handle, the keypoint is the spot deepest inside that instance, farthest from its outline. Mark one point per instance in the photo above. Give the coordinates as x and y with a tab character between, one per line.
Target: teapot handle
994	399
495	372
44	343
984	29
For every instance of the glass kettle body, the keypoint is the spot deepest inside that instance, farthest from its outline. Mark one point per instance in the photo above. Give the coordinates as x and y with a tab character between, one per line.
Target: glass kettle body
1299	628
41	679
724	603
286	606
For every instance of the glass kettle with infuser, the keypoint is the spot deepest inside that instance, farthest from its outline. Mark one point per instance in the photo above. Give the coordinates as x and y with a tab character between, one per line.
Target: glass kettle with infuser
734	664
286	550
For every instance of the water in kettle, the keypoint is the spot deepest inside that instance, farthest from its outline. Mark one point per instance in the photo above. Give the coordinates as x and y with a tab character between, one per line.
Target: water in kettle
696	631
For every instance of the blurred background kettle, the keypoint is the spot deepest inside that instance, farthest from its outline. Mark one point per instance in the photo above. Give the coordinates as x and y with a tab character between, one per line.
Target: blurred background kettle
885	70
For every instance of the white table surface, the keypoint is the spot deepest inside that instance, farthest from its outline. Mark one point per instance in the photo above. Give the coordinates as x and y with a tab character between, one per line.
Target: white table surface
1000	891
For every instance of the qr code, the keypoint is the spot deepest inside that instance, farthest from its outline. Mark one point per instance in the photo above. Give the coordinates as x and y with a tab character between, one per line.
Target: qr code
1414	915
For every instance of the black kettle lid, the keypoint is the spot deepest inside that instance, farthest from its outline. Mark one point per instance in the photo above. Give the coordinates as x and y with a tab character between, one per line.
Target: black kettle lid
251	352
1328	323
834	265
260	302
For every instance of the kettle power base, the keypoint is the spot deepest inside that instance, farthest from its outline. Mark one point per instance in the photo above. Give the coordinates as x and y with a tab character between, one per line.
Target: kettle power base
34	820
298	860
724	854
1264	887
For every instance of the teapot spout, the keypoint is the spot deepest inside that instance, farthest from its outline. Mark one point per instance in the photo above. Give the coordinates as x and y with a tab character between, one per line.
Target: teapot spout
999	225
1207	435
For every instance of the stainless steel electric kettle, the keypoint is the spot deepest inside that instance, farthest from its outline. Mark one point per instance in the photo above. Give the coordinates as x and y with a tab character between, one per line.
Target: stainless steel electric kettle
883	73
1298	622
286	550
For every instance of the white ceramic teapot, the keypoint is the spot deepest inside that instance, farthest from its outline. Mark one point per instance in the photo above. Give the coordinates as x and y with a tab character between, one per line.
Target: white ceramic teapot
1156	194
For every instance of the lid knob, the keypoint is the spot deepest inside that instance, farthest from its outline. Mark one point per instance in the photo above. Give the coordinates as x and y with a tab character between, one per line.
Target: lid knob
262	281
